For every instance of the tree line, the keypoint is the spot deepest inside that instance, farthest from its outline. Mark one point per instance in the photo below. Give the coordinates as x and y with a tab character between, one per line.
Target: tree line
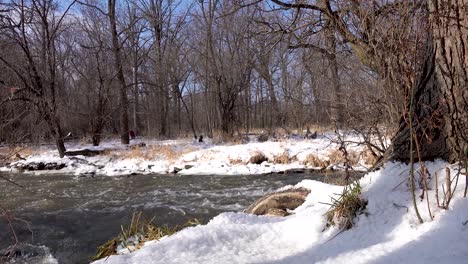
168	68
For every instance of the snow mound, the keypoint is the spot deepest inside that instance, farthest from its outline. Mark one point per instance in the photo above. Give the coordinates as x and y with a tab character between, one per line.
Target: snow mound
388	233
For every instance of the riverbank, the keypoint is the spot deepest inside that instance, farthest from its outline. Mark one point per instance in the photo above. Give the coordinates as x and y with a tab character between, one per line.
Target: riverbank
387	231
193	158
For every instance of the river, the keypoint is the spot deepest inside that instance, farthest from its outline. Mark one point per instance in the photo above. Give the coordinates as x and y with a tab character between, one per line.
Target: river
72	216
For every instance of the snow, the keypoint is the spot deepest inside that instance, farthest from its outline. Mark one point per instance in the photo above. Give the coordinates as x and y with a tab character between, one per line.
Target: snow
188	157
389	232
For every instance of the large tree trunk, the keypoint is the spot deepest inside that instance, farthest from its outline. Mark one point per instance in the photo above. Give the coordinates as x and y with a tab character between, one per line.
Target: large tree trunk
441	96
123	108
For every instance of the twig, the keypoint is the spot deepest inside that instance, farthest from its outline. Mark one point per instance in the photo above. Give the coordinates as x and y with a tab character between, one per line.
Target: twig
10	181
401	206
424	175
6	158
448	183
14	154
445	196
437	189
10	219
466	177
394	188
341	231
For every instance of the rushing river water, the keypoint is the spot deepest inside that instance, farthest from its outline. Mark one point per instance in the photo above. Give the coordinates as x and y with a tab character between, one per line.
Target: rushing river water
72	216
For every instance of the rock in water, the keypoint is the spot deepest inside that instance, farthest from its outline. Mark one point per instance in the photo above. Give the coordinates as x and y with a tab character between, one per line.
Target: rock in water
278	203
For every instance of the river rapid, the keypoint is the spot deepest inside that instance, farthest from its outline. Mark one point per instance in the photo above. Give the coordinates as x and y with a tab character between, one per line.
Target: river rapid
71	216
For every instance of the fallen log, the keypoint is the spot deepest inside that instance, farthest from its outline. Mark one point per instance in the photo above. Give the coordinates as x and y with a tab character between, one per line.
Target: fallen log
84	152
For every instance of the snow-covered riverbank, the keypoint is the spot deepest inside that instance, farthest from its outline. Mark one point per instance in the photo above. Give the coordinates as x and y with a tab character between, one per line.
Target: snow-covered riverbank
188	157
388	232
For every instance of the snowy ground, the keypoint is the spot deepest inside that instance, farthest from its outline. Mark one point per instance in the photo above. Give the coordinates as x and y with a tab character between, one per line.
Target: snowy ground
388	233
187	157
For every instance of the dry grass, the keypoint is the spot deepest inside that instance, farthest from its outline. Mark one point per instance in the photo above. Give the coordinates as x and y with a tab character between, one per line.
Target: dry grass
149	152
344	209
140	229
237	161
283	158
336	156
111	152
11	154
314	161
368	157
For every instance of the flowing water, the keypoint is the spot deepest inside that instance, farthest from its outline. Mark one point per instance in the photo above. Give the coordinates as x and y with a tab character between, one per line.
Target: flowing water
71	217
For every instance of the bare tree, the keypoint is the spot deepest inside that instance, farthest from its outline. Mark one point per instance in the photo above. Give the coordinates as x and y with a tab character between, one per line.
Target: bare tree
33	30
118	64
95	78
370	28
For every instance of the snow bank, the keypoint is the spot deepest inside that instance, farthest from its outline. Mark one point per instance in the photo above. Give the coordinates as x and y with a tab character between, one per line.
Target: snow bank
389	233
187	157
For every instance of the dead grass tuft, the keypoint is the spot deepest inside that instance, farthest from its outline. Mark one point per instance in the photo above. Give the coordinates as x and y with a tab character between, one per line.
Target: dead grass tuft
11	154
368	157
148	152
167	151
344	209
313	161
237	161
140	230
336	156
283	158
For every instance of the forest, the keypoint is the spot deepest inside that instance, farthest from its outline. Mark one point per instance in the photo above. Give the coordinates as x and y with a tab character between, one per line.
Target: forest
199	107
165	69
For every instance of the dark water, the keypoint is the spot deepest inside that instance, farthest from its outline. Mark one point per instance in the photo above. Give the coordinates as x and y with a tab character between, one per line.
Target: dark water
73	216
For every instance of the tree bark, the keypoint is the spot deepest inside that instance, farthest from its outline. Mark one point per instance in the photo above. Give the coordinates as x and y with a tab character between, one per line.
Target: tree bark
441	95
123	109
136	120
60	146
337	104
